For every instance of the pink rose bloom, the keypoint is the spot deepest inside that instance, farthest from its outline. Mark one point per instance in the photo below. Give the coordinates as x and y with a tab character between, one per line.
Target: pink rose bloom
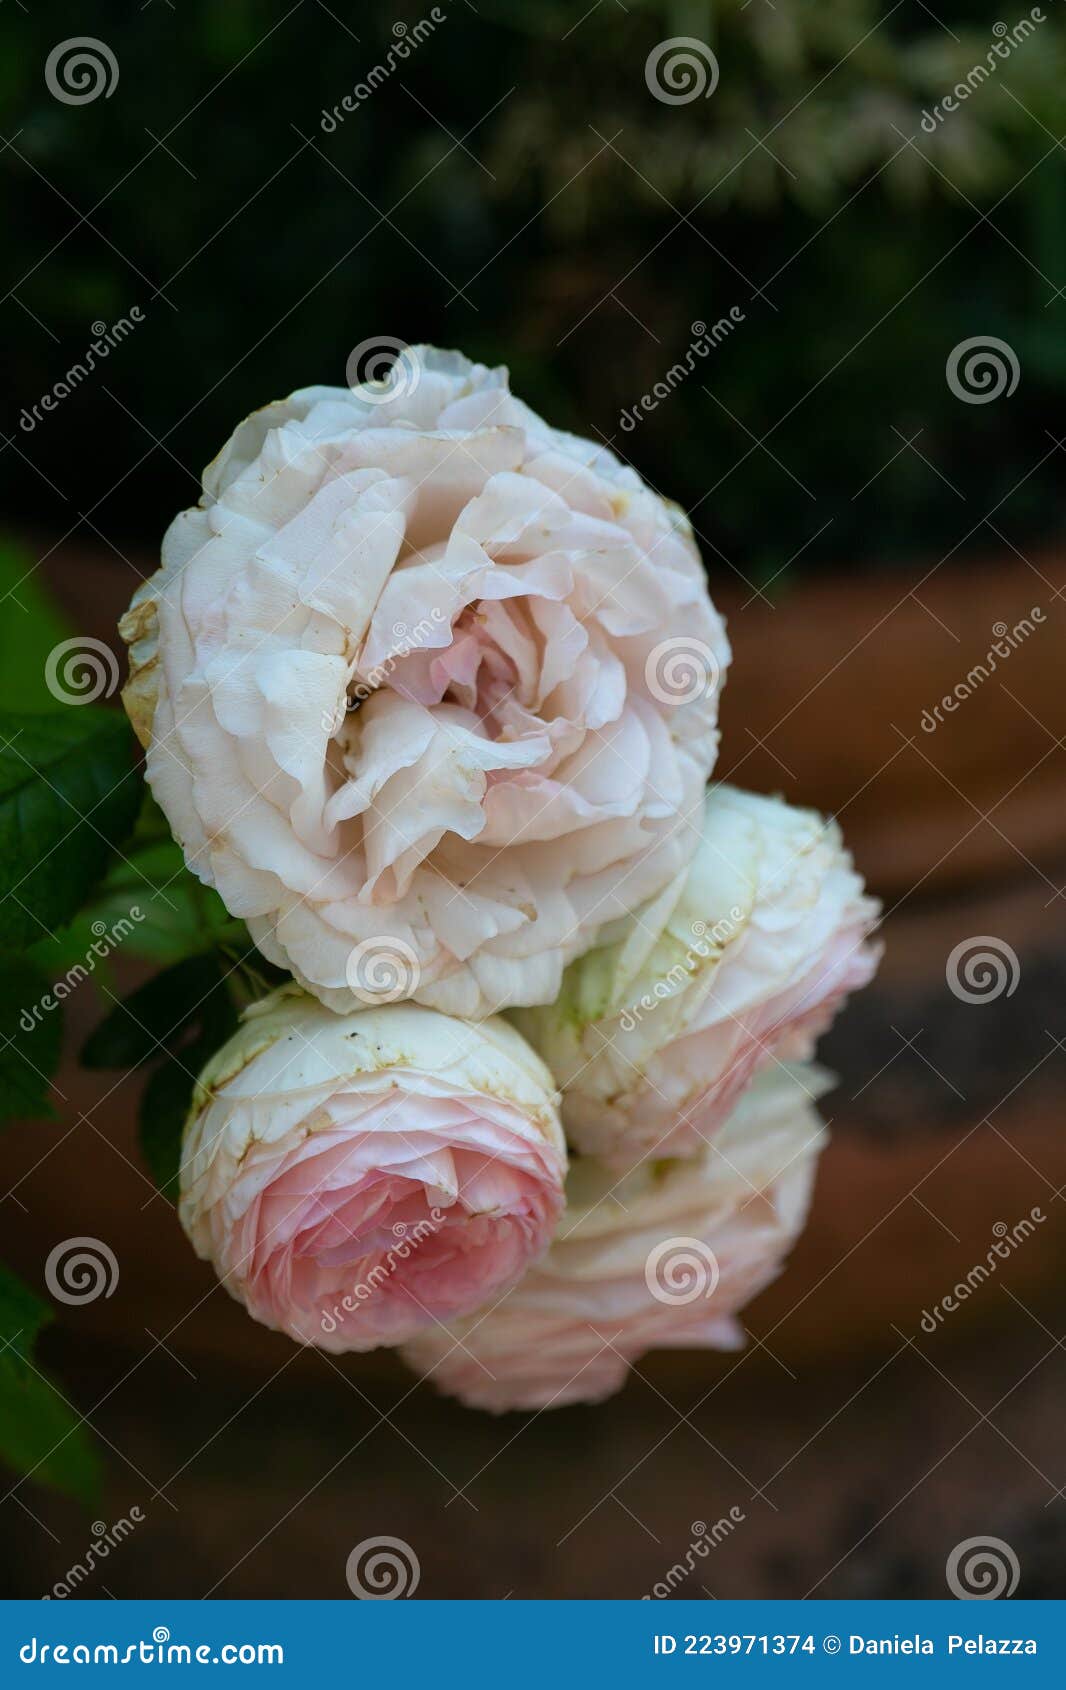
428	688
742	960
354	1179
663	1259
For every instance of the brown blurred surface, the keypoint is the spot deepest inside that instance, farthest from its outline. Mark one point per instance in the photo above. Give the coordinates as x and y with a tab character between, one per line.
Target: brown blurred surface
859	1447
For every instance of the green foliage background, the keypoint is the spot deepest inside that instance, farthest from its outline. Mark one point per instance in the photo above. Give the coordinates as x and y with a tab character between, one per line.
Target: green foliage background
87	862
518	155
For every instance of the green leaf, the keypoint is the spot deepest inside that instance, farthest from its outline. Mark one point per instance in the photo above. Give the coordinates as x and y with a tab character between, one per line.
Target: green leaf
171	916
22	1315
69	792
167	1097
154	1017
40	1434
177	916
165	1104
186	1012
30	630
31	1031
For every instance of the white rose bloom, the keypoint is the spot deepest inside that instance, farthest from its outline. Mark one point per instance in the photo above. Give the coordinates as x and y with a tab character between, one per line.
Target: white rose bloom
428	688
662	1259
743	959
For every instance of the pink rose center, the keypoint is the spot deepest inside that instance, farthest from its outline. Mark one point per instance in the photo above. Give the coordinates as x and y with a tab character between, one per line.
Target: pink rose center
360	1237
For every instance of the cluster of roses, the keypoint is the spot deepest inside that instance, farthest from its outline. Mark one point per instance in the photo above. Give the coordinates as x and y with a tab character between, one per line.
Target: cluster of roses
514	914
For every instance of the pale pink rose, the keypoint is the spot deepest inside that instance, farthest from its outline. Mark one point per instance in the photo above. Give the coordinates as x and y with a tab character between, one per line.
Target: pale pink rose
743	960
425	676
663	1259
354	1179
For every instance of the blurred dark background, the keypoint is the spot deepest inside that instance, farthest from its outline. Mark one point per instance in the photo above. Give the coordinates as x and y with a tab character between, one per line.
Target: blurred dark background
512	186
